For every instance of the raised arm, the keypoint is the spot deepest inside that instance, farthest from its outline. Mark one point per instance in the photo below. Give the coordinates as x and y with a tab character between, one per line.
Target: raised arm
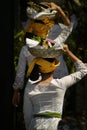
19	78
81	69
53	6
70	54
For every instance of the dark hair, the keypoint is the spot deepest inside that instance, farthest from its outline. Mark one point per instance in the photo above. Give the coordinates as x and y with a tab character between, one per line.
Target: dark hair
36	71
28	35
49	59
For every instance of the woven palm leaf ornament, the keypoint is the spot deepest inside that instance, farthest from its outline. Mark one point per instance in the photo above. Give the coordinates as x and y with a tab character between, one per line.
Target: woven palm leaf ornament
41	24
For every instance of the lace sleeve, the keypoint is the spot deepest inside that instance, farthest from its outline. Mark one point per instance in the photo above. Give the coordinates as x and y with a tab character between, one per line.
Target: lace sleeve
81	71
19	79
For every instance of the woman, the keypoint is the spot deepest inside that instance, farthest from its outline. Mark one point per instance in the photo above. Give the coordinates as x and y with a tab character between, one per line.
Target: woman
58	32
44	95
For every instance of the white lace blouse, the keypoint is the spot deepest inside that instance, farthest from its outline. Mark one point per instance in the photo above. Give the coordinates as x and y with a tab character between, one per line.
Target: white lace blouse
48	97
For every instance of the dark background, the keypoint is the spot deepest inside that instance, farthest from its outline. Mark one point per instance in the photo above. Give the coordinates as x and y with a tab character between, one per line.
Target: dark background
6	64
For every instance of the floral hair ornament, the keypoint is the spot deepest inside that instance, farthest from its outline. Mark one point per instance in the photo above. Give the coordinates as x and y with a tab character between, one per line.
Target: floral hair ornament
44	65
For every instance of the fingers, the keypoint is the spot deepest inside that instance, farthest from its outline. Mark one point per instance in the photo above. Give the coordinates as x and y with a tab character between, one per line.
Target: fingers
51	5
65	48
46	3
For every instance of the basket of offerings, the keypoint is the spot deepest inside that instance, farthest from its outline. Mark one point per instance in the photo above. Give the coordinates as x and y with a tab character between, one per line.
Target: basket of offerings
45	48
41	22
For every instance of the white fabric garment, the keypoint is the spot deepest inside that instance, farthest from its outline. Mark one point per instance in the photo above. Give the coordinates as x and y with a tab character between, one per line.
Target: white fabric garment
48	97
31	43
58	33
25	58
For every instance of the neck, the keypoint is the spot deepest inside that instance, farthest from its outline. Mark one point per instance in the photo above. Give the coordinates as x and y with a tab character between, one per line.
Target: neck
46	76
45	80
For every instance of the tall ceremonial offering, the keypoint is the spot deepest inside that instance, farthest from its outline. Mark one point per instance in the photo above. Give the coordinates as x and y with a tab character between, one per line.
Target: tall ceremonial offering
43	37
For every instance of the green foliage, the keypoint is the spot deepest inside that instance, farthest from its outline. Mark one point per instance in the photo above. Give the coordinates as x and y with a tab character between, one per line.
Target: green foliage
19	34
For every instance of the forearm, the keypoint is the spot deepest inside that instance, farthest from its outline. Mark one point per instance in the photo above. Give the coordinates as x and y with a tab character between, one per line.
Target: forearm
81	69
53	6
72	56
18	83
64	16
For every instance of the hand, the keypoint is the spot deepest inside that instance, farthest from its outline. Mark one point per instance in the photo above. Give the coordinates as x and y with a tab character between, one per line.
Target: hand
65	48
16	98
69	53
51	5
